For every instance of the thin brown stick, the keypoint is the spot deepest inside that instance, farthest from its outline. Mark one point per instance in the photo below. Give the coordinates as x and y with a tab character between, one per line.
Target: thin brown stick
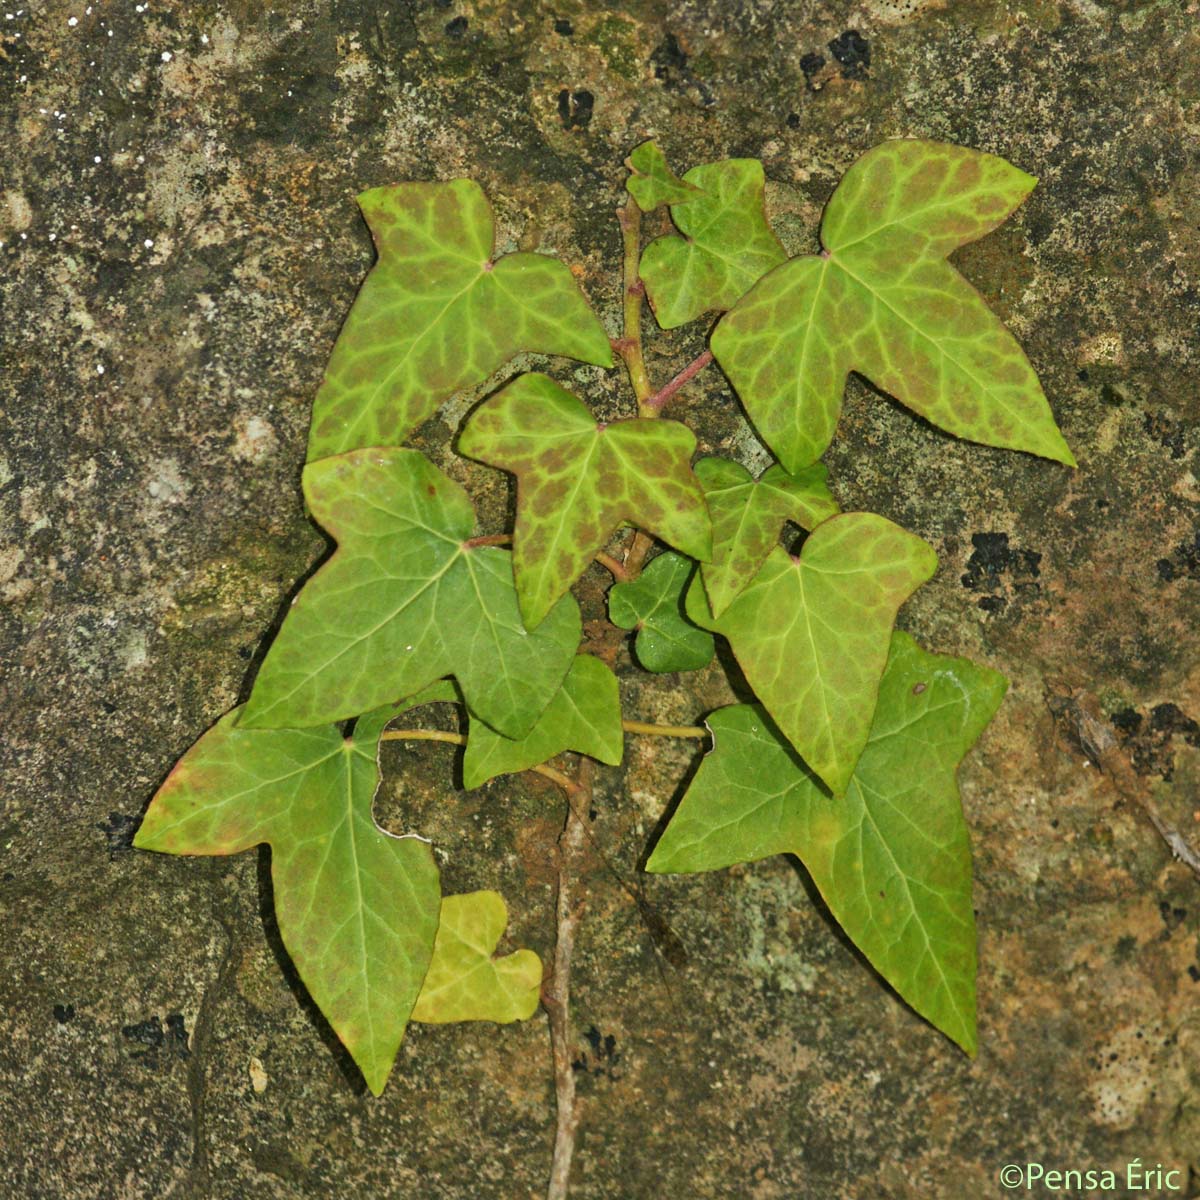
556	998
629	345
489	539
422	735
664	393
614	565
672	731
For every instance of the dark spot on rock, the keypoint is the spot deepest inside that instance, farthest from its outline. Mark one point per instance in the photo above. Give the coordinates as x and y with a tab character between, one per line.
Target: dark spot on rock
457	27
1194	972
118	832
177	1035
1172	917
793	120
670	64
852	50
602	1056
575	108
1184	561
1168	432
64	1013
1110	396
1149	739
811	65
1082	374
148	1032
108	706
564	27
999	571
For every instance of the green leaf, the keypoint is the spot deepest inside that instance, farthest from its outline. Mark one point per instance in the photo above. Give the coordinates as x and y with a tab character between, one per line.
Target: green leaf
882	300
653	183
891	858
403	602
464	982
578	480
584	715
653	605
437	314
357	907
748	516
726	247
811	633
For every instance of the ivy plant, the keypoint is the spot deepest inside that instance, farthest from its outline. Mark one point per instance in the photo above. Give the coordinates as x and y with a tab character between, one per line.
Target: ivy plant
847	757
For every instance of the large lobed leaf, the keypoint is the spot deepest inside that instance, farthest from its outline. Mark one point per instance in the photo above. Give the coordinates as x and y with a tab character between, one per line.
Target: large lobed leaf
584	715
652	182
891	858
403	602
811	633
438	313
726	246
653	605
464	981
882	300
357	907
748	516
578	480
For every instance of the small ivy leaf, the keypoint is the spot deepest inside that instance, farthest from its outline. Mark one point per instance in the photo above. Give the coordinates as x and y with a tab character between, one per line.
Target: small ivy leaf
584	715
892	858
653	183
437	314
357	907
577	481
811	633
464	981
727	245
748	516
653	605
403	602
882	300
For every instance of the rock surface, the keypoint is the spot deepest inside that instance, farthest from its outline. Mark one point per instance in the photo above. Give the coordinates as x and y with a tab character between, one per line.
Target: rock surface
179	244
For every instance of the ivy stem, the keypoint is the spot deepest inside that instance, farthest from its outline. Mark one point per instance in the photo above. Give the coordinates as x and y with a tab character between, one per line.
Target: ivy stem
619	572
672	731
489	539
664	393
629	345
556	994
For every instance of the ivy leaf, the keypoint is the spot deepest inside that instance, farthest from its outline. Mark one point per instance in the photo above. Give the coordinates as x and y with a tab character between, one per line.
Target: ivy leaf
811	633
726	247
653	183
891	858
403	602
748	516
357	907
578	480
653	605
464	981
882	300
584	715
438	313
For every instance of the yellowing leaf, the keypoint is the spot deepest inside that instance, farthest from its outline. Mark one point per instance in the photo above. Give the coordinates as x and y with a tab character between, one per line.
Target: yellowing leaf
584	715
403	602
653	183
439	313
748	515
578	480
726	246
464	981
882	300
653	605
357	907
891	858
812	633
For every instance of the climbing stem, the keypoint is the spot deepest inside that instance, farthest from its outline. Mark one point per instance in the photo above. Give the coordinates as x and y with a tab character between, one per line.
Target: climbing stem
556	992
671	731
668	390
629	346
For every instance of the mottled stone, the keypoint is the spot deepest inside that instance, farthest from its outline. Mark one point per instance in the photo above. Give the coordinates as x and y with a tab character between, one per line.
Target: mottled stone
180	243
